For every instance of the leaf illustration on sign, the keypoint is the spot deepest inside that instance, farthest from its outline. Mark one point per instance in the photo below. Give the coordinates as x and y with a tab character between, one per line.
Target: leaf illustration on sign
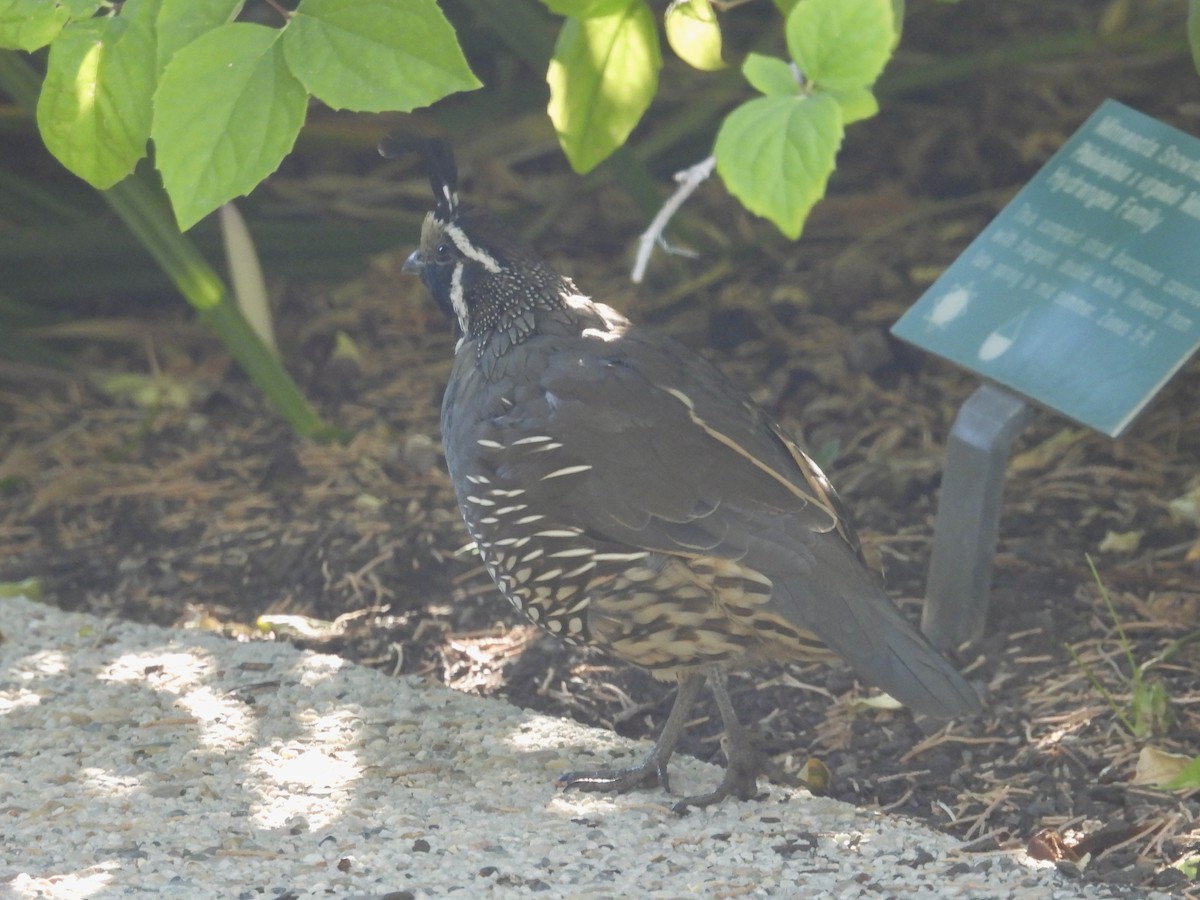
999	341
949	306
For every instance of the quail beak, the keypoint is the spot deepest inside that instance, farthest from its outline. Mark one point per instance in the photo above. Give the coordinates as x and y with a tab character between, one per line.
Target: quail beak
415	263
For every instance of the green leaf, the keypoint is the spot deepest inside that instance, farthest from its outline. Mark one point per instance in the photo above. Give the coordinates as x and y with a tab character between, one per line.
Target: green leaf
1189	865
1193	31
897	21
786	6
29	588
587	9
602	78
1188	777
769	75
856	103
30	24
180	22
776	154
695	34
81	9
841	44
376	55
94	109
226	113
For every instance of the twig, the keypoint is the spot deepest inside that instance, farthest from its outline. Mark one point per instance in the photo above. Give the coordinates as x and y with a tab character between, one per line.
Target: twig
689	179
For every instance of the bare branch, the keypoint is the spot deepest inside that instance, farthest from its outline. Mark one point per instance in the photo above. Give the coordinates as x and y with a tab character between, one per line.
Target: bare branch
689	179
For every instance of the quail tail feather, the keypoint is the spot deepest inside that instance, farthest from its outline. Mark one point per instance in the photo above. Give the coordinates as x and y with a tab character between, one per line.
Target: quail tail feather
858	621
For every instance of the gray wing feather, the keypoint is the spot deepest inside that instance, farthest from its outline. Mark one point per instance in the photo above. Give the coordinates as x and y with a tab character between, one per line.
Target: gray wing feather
682	462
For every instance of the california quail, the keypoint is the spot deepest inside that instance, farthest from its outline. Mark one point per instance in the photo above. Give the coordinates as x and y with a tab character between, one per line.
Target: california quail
622	493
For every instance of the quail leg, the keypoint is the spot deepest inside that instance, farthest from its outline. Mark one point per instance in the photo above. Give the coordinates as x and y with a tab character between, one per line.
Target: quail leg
744	761
652	770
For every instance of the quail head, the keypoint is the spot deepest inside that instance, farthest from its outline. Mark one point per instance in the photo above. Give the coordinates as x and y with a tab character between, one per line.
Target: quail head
624	494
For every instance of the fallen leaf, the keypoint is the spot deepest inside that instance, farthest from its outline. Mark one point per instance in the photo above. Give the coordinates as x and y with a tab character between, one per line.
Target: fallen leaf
1049	845
1121	542
1158	768
1047	451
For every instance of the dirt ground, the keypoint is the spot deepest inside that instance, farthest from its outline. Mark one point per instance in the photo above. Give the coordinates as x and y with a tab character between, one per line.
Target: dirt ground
200	509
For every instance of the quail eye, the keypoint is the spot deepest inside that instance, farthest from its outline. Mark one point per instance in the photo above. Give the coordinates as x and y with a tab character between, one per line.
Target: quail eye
443	253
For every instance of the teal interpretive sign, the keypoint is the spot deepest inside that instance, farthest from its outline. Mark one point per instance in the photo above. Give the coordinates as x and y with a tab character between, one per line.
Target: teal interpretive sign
1084	292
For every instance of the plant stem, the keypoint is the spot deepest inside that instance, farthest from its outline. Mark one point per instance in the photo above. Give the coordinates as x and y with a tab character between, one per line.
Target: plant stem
144	211
143	208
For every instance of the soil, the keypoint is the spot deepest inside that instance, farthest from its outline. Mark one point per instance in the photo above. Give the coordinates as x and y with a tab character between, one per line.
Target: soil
200	508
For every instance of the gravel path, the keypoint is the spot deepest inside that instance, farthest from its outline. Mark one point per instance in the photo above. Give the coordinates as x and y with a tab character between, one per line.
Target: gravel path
138	761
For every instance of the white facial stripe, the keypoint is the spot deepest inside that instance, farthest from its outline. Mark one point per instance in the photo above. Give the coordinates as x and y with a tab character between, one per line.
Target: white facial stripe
456	297
469	250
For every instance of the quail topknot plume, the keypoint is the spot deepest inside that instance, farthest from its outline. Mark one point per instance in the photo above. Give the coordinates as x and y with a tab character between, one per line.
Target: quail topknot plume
624	494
